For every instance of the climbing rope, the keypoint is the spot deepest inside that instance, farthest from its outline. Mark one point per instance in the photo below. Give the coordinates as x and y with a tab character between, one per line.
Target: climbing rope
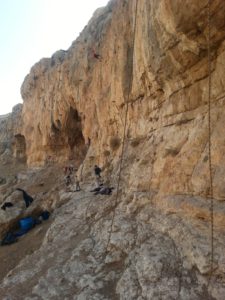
210	141
124	131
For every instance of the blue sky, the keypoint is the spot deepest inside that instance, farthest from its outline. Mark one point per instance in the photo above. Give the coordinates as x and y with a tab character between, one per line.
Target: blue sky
32	29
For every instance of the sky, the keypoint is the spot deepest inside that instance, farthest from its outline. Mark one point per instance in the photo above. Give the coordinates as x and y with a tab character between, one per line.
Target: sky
31	30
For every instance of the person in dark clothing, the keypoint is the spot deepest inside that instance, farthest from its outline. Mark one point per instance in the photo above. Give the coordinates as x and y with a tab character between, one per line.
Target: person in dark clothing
97	171
68	180
6	204
98	179
27	198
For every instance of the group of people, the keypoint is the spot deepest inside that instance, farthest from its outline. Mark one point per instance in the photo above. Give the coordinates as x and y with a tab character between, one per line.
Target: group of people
71	177
100	187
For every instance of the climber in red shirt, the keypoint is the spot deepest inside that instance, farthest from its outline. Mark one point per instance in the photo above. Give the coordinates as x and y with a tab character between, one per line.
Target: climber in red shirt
96	55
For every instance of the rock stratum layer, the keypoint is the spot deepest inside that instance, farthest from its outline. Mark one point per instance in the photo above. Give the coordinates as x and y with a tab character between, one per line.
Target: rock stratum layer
154	67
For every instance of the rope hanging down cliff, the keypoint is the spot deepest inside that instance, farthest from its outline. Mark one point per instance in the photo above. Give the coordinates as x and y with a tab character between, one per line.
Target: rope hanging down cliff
210	141
130	84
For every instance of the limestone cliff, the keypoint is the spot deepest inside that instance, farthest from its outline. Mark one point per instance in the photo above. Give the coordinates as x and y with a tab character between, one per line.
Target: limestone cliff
153	58
75	97
12	144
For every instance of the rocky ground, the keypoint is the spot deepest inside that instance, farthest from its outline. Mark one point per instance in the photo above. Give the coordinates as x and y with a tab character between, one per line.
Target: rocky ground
80	254
10	256
141	245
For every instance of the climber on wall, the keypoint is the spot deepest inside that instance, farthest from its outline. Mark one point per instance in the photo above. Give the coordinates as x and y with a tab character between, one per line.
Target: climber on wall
96	55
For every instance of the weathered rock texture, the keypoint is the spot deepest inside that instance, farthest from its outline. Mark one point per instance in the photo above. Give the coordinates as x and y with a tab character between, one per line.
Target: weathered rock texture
12	143
160	242
75	97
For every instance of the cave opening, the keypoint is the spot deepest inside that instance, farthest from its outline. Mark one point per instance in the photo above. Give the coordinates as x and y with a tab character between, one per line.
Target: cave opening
66	138
19	148
75	138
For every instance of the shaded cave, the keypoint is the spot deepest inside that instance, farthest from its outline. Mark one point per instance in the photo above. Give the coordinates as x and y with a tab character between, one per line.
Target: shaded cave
74	135
19	148
69	136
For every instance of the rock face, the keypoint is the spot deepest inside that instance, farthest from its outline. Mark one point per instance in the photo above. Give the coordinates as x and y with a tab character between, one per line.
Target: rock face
153	66
12	143
78	99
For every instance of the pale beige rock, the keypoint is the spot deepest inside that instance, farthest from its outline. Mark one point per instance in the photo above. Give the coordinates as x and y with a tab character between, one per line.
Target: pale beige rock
160	245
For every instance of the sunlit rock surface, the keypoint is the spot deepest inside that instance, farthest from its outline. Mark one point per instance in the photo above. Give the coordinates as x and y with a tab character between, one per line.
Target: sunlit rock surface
159	244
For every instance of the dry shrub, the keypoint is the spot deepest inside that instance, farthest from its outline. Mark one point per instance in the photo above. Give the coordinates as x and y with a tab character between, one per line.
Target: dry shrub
115	142
106	153
135	142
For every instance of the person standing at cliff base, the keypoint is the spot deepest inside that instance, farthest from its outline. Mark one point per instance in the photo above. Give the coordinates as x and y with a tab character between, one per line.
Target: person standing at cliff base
77	184
96	55
98	171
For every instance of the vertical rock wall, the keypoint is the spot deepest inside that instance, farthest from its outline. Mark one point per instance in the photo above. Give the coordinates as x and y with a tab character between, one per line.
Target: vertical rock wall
74	107
78	100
